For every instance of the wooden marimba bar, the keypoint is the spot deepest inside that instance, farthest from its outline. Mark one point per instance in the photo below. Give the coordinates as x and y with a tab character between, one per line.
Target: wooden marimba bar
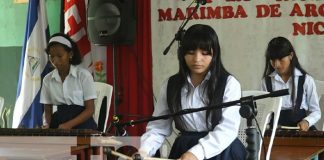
28	142
48	132
296	145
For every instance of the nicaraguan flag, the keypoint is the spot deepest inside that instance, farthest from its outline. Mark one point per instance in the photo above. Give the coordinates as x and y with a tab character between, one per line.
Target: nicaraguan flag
34	66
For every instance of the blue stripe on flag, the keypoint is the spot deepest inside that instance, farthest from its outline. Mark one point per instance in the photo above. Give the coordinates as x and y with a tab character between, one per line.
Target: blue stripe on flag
28	112
34	116
31	21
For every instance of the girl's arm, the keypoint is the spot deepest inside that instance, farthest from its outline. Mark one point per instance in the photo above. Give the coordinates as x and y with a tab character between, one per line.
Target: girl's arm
156	131
48	115
312	101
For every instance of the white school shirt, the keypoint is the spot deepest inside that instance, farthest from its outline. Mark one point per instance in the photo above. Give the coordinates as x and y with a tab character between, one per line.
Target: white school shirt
77	87
212	144
310	100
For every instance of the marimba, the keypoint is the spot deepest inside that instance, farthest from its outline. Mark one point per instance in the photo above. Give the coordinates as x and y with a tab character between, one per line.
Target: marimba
296	145
48	132
52	144
46	143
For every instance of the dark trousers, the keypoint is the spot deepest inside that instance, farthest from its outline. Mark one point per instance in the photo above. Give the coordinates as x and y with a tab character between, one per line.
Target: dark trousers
235	151
292	117
65	113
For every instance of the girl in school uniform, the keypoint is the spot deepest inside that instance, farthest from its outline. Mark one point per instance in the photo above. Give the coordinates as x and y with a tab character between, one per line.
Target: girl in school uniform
201	81
282	71
69	87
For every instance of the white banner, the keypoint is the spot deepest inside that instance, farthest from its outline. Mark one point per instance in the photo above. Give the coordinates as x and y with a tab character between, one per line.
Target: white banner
244	28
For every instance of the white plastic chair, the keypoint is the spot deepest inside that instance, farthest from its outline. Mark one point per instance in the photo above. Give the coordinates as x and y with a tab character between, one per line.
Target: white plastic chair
1	108
101	114
265	108
168	142
1	104
320	91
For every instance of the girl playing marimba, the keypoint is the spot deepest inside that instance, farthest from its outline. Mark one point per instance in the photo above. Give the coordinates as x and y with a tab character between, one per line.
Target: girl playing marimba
283	71
202	80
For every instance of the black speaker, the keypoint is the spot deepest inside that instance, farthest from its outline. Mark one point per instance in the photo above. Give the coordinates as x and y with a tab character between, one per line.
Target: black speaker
111	21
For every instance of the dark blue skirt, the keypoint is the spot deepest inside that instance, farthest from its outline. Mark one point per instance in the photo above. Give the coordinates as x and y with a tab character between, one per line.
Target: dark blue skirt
65	113
236	150
293	117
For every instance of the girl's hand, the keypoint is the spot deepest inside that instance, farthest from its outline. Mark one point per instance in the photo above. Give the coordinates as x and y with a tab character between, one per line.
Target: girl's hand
64	126
142	153
188	156
303	125
45	126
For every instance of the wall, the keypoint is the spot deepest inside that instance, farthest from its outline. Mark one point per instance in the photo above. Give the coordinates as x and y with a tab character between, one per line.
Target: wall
243	39
12	31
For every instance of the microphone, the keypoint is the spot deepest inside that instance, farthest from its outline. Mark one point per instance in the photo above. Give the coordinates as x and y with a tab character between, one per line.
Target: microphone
119	129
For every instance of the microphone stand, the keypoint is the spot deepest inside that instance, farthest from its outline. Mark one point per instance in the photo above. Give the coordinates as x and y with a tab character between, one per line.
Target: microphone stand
119	130
248	110
181	30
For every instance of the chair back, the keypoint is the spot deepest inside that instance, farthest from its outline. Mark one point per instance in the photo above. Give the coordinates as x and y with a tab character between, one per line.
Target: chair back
1	104
265	108
1	112
320	92
102	105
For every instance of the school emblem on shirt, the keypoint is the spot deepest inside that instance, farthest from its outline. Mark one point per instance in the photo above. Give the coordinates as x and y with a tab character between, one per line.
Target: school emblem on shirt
33	63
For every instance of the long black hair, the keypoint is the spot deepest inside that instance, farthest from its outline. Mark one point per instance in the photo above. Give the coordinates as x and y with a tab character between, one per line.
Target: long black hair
203	37
278	48
76	56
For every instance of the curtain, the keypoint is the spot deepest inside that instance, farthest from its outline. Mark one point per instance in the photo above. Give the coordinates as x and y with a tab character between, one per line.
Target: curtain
134	73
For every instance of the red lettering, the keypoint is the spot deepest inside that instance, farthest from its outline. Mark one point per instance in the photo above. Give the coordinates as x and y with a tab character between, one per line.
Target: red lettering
240	12
214	13
202	12
317	28
219	12
311	28
296	11
165	15
321	10
262	11
190	11
275	10
265	11
179	15
299	29
310	10
228	12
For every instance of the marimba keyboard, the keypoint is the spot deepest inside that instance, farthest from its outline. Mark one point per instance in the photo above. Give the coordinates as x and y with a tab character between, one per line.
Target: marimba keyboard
295	144
296	133
49	132
47	143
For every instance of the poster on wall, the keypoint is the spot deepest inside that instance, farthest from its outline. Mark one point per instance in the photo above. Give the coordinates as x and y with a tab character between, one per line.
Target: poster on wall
244	28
